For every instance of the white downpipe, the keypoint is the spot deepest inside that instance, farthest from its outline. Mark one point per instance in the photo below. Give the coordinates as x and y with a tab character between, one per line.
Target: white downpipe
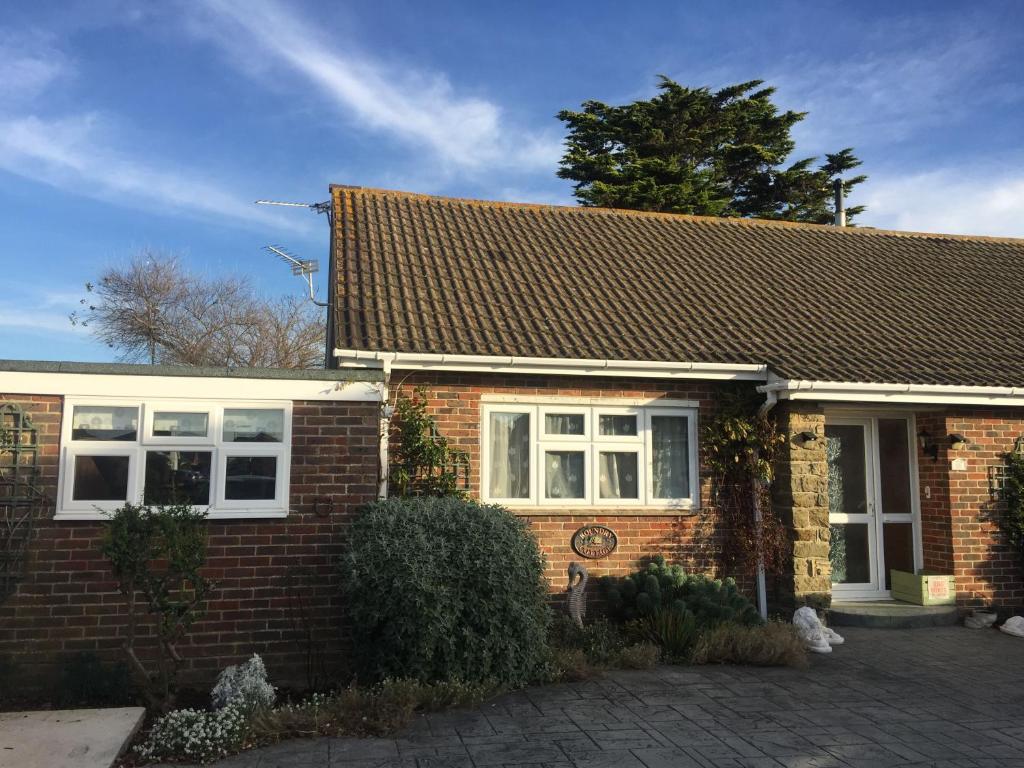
386	412
770	400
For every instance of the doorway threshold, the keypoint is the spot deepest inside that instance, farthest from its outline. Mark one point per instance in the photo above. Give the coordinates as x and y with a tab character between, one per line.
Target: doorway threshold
891	614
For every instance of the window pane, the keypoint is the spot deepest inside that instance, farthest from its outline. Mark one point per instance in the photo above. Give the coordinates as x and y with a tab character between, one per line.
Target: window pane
180	424
104	422
613	424
251	478
178	477
848	553
564	424
670	462
847	473
563	474
253	425
100	478
509	456
894	463
618	475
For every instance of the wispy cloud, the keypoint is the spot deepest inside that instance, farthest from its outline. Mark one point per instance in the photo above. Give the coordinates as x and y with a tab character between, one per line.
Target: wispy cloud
421	108
28	65
949	200
74	153
887	95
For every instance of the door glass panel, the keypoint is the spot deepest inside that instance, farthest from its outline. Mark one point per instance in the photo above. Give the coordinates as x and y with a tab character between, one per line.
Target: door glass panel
563	474
898	548
847	480
849	554
894	462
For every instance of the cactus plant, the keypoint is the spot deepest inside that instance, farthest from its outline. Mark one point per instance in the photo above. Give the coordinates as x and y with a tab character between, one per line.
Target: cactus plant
660	586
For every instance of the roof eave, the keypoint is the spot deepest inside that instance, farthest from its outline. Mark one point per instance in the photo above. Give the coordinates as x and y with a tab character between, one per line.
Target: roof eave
868	392
659	369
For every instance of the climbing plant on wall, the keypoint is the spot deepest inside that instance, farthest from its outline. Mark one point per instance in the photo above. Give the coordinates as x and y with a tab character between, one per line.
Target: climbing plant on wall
1011	521
740	447
422	461
21	496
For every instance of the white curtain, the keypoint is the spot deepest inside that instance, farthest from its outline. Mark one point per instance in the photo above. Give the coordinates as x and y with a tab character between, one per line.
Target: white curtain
564	424
670	463
510	456
563	474
618	475
618	424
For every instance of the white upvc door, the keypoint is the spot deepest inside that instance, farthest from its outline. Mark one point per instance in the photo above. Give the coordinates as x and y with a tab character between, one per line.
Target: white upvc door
873	506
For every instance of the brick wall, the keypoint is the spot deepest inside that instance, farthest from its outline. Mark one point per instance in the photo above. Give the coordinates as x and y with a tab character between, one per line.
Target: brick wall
690	539
969	540
266	570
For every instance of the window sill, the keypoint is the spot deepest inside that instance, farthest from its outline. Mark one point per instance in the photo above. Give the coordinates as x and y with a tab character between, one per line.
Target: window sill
238	514
603	511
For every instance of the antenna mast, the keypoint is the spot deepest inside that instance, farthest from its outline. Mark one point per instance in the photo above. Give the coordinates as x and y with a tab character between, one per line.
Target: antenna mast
304	268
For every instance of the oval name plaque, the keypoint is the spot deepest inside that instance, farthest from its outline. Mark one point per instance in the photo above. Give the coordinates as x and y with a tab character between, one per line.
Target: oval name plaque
594	541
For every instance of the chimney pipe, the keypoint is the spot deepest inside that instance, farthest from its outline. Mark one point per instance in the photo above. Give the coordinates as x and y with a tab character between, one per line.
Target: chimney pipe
840	218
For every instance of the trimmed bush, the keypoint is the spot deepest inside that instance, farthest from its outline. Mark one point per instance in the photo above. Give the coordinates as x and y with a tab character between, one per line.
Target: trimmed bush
660	586
444	588
770	645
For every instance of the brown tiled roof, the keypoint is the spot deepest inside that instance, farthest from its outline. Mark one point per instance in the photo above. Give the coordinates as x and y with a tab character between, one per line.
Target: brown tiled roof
430	274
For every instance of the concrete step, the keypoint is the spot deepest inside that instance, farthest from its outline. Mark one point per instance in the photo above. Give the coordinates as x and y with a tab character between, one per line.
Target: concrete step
891	614
67	738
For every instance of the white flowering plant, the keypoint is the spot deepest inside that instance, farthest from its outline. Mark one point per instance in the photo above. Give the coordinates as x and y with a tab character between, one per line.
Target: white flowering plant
195	735
245	686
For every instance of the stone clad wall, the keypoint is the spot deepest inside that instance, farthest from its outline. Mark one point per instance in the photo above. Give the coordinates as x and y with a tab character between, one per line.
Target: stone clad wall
800	495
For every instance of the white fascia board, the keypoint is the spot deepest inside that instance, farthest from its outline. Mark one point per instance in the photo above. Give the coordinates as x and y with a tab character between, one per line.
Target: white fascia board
867	392
184	387
654	369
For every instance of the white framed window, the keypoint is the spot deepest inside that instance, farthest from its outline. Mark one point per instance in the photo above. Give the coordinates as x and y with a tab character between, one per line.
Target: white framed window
602	455
227	458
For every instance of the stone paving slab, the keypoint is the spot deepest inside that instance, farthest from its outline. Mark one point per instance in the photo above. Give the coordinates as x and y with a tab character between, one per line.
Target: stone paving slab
66	738
941	697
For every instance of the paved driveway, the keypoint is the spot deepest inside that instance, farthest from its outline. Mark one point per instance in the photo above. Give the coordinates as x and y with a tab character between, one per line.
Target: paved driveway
929	697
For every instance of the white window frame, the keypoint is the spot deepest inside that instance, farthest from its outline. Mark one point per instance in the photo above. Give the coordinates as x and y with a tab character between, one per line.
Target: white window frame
220	508
574	446
152	408
687	502
592	444
485	464
569	410
636	446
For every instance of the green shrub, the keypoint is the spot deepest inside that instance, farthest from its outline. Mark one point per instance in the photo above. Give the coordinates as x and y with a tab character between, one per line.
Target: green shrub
660	586
579	653
770	645
441	588
672	629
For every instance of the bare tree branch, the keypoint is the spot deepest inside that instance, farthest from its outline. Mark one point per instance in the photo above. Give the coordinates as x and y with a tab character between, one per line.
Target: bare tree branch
153	309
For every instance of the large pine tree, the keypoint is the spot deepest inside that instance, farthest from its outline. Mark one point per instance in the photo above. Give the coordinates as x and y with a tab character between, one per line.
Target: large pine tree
691	150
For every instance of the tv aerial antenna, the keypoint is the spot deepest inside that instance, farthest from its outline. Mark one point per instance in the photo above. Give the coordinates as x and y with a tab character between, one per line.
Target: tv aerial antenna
304	268
324	207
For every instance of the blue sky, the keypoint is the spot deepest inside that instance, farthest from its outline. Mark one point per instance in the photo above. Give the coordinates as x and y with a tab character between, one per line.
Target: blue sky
128	125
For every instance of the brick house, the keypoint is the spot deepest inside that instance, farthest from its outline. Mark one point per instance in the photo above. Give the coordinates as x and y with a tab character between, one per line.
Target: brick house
573	353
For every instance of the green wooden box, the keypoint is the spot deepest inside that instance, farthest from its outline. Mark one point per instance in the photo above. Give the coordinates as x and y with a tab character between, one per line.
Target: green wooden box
923	588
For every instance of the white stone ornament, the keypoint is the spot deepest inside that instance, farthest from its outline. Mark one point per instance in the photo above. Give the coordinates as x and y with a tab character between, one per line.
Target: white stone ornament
1013	626
816	637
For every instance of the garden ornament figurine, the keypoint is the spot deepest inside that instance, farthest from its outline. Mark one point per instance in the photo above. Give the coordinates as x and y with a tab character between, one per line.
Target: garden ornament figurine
1012	626
577	590
816	637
